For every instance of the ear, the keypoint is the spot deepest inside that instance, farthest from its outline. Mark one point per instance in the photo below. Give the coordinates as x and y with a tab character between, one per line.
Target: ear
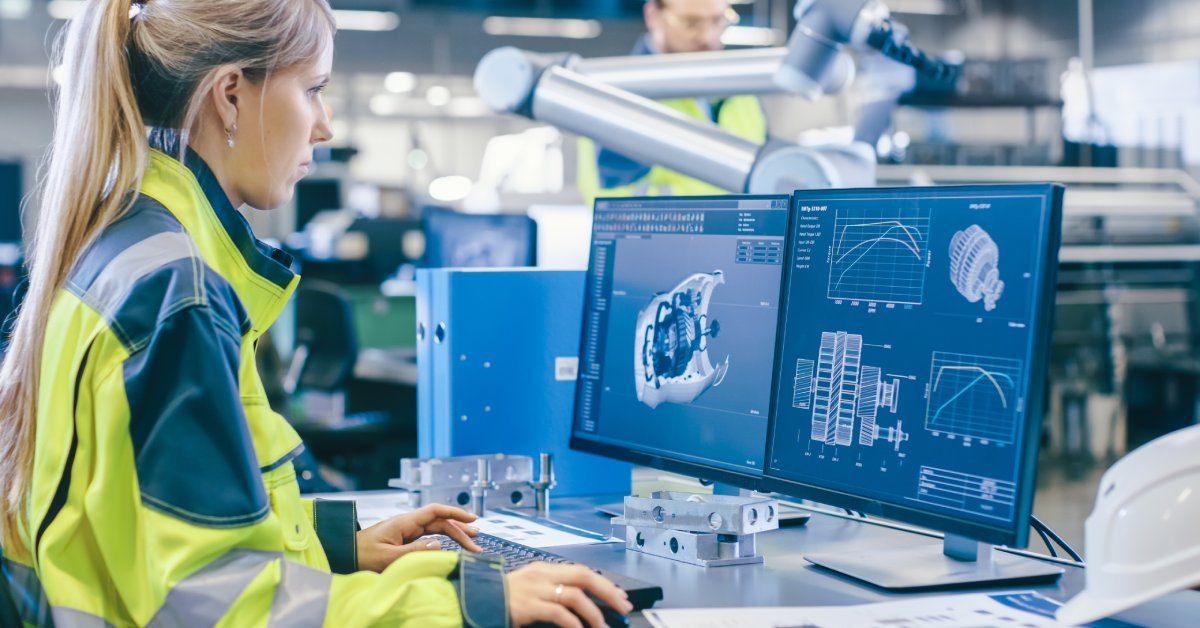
225	94
650	13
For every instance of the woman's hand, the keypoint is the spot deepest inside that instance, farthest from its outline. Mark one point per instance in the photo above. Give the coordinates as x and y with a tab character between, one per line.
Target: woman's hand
381	544
557	594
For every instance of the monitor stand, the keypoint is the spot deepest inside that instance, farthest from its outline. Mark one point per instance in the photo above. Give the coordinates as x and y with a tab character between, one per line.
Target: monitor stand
962	562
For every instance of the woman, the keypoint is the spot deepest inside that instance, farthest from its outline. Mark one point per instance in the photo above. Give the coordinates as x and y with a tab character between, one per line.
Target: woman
145	478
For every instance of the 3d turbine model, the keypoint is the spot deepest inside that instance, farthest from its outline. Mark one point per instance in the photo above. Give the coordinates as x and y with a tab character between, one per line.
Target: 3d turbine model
975	266
671	361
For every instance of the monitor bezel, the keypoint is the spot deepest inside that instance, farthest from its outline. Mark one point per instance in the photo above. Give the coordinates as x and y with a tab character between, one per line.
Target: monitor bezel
1043	323
723	475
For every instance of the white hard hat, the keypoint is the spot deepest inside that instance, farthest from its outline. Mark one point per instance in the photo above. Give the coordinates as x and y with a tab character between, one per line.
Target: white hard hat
1143	536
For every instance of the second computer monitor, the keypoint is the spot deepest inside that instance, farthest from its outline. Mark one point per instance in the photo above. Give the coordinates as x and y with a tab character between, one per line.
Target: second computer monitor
456	239
912	353
680	313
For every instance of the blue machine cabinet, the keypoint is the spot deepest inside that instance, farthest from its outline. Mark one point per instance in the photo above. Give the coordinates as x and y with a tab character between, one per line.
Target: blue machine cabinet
497	357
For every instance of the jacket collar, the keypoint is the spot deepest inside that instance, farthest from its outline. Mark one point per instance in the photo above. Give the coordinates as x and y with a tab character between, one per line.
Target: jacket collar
259	273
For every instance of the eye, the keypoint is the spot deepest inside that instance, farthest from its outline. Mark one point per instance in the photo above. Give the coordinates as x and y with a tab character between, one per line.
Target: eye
318	89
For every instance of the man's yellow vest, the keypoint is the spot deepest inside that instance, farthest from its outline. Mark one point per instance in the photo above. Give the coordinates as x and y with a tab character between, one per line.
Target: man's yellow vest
163	490
740	115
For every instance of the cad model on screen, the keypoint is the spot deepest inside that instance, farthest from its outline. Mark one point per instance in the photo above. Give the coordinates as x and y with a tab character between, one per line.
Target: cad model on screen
905	344
975	266
671	362
679	333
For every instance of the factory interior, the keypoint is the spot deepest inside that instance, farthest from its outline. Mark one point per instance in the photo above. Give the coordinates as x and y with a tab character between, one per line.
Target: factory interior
503	280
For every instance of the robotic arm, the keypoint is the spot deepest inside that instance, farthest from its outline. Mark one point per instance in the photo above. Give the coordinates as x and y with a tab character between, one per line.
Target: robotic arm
609	100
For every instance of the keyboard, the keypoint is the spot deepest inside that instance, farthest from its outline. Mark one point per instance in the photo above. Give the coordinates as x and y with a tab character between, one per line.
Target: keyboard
641	594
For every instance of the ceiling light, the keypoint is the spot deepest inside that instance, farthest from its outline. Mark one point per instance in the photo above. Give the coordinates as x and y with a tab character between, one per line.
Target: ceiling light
14	9
450	189
383	105
400	82
750	36
542	27
438	95
348	20
418	159
63	9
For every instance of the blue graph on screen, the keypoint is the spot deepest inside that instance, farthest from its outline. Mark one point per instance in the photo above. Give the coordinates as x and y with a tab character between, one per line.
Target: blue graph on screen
879	255
974	396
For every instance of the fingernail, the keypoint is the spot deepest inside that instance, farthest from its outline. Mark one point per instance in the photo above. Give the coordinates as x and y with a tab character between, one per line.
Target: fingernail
473	528
432	545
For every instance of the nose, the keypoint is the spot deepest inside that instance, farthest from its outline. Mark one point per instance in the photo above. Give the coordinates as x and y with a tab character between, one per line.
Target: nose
323	129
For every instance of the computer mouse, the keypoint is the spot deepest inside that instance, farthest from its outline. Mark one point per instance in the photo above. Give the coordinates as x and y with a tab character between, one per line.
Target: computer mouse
612	617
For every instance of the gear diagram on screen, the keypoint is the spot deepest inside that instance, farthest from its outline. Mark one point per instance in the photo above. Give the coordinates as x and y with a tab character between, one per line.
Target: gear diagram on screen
671	361
975	266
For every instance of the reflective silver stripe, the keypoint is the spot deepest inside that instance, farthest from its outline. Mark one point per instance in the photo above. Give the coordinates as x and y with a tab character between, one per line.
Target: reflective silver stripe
31	603
301	598
27	594
116	280
70	618
206	596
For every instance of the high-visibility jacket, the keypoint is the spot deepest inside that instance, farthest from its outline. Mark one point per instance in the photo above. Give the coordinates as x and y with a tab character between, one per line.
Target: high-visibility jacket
163	491
602	172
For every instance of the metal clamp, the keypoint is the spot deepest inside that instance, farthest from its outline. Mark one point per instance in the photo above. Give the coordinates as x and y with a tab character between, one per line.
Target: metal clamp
544	484
452	481
699	529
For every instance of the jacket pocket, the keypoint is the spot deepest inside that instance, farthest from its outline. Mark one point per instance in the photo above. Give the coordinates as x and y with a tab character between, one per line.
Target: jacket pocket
294	522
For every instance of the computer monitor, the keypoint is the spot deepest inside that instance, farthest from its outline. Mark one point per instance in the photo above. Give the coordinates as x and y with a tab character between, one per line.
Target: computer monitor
680	310
911	368
11	192
455	239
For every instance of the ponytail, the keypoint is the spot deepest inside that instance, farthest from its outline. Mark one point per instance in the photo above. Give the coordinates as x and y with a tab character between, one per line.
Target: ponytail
122	71
97	156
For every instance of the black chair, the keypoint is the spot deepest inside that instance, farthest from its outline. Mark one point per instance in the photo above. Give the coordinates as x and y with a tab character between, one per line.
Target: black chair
321	377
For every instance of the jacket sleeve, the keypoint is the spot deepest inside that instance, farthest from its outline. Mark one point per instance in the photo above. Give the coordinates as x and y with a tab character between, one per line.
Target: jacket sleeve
207	537
336	524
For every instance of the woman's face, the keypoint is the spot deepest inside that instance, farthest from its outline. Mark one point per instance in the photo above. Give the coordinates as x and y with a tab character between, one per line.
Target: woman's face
279	123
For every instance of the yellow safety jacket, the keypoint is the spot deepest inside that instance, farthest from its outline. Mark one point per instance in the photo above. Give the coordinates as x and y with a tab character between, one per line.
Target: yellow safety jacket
163	492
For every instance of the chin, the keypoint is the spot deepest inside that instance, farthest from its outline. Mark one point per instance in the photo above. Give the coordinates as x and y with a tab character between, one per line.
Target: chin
273	201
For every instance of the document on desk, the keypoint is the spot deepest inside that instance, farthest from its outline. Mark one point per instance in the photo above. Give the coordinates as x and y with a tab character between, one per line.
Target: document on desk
974	610
533	533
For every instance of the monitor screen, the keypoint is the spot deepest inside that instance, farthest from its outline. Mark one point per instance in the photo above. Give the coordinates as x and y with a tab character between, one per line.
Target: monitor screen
680	311
912	352
457	240
11	187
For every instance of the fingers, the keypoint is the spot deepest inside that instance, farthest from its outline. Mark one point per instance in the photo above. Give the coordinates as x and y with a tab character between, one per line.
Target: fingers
433	512
452	530
471	531
387	554
581	577
553	613
584	608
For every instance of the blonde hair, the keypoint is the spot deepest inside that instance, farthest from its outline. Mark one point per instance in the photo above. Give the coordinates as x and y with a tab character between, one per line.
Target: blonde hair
126	67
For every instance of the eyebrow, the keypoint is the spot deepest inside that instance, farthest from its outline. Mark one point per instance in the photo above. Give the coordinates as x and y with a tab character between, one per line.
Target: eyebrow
322	78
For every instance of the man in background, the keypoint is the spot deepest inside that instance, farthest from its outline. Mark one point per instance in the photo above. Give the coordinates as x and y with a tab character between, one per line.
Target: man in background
673	26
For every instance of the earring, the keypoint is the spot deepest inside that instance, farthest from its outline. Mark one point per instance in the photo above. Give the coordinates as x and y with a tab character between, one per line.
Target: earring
229	135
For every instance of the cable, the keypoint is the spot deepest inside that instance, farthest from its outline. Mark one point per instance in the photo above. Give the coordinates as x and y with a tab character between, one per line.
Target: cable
893	45
1046	540
1045	530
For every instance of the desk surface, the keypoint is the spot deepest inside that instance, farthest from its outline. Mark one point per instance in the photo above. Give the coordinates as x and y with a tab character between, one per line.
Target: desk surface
786	579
